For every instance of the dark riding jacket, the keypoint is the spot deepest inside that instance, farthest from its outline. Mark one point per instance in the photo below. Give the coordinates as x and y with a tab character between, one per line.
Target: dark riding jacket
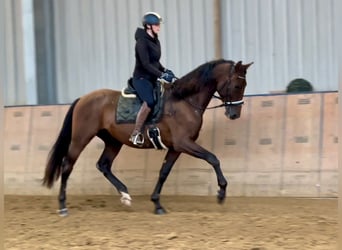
147	55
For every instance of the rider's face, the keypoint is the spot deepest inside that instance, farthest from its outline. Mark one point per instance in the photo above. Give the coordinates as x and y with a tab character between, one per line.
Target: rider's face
155	28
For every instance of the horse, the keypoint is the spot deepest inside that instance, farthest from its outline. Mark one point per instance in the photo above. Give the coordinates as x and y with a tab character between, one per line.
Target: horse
185	101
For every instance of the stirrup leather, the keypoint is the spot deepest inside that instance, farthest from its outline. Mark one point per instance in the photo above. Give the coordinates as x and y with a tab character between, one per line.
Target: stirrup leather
137	139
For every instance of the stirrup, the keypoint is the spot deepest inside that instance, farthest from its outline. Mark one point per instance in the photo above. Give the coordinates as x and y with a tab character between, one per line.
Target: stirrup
137	139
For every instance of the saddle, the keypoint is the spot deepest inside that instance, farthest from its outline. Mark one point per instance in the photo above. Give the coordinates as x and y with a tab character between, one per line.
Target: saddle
129	104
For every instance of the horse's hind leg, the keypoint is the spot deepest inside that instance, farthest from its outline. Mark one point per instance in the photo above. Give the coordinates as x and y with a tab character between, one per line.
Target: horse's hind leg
104	164
75	150
169	161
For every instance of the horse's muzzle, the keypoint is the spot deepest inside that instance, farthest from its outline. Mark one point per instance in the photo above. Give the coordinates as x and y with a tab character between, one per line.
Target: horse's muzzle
233	112
233	117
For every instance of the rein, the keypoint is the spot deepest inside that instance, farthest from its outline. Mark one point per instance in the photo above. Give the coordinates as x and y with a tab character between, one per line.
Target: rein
225	104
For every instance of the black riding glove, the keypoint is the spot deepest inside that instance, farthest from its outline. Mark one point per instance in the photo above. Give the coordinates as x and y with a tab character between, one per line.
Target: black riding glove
166	77
169	71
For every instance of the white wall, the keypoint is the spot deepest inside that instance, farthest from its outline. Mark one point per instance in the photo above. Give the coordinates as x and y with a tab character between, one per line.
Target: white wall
95	40
95	46
286	40
18	62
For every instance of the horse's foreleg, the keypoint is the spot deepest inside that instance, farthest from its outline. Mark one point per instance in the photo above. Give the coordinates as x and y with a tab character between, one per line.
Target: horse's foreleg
197	151
221	180
104	164
169	160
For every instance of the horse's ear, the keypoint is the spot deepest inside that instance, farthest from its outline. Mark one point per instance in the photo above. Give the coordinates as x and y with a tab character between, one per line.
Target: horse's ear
247	65
242	67
238	64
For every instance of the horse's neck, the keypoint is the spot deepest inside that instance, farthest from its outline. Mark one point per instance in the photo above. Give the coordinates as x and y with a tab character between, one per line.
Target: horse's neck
202	98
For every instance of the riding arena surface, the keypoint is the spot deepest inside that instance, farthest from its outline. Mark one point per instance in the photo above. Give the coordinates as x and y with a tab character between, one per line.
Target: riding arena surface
192	222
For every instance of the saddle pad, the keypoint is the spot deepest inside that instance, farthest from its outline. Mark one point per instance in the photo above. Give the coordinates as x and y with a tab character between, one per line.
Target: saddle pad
128	109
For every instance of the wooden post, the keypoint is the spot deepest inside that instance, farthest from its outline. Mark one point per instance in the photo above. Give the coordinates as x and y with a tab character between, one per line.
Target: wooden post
217	29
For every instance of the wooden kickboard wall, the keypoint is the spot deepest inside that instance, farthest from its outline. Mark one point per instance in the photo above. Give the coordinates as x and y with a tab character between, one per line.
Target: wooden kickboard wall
282	145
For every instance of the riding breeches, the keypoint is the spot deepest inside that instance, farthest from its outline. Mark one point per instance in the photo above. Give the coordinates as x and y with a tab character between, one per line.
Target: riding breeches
144	89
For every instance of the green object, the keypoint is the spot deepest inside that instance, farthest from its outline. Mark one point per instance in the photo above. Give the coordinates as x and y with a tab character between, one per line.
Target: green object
299	85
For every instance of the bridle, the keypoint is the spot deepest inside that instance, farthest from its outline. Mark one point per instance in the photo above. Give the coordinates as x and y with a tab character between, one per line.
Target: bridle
228	103
225	103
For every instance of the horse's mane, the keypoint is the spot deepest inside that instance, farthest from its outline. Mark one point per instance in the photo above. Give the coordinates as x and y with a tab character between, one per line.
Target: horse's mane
196	80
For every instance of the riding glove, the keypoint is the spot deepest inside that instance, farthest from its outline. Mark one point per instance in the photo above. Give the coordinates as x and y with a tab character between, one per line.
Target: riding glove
169	71
167	77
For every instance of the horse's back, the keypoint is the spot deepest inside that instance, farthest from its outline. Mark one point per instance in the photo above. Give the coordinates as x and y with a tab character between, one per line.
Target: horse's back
99	97
96	105
101	93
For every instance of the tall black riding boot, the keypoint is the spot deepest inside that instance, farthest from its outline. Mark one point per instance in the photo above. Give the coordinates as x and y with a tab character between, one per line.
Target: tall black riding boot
137	138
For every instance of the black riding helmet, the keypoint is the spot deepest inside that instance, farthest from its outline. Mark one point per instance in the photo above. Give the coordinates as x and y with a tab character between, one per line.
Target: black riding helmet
151	18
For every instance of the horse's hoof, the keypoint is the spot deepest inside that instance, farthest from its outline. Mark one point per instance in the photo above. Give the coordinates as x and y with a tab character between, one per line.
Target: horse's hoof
126	199
220	200
221	197
160	211
62	212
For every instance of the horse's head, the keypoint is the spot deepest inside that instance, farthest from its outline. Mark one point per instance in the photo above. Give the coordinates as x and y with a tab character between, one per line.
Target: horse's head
231	88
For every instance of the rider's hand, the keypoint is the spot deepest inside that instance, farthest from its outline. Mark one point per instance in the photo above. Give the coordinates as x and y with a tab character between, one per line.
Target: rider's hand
169	71
167	77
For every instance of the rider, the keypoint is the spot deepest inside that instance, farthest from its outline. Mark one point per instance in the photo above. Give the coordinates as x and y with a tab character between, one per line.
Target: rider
147	70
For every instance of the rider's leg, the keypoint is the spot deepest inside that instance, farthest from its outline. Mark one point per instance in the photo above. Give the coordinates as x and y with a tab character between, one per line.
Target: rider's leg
137	137
144	89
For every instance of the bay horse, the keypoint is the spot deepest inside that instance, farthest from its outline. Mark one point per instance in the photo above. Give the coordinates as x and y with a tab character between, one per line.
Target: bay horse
185	102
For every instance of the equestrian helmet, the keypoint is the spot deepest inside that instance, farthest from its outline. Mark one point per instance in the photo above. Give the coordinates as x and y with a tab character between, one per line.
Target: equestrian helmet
151	18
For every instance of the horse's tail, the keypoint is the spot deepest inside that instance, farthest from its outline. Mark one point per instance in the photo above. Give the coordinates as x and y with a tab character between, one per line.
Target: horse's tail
59	150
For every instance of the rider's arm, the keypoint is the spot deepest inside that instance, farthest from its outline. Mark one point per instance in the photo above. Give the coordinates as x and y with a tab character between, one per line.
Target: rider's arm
142	52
